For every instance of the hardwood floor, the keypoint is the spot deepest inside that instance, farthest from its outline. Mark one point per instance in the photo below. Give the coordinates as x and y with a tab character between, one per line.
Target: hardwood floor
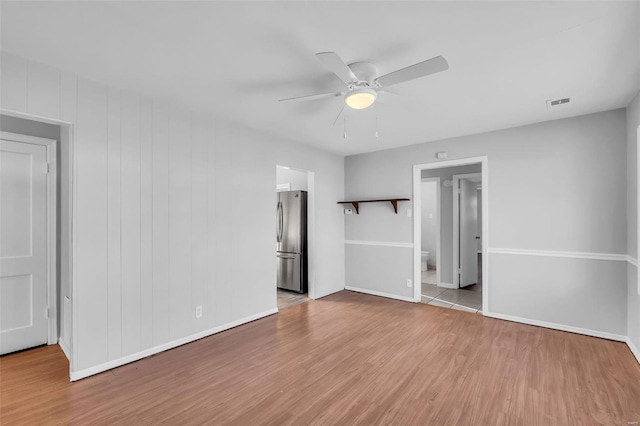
348	358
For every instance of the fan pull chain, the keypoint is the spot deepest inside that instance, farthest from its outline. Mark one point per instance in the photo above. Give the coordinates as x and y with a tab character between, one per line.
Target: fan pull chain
376	133
344	119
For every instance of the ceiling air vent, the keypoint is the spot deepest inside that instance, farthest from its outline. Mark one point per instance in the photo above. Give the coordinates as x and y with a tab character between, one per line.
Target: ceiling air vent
556	103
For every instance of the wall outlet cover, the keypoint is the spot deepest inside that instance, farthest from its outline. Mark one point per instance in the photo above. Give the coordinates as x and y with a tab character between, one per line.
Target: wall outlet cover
199	311
408	283
409	212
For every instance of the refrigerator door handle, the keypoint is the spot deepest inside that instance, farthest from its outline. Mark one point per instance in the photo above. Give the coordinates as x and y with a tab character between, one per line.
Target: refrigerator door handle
285	256
279	222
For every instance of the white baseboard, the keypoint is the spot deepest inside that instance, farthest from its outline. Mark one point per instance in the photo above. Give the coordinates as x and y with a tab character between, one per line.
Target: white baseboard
634	350
381	294
561	327
65	348
447	285
77	375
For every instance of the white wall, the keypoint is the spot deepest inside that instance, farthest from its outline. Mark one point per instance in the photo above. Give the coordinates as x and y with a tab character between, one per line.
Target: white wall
296	178
173	210
430	214
557	186
446	212
633	290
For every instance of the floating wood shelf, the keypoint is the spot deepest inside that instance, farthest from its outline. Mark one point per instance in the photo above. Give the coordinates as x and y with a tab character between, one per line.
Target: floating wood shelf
393	201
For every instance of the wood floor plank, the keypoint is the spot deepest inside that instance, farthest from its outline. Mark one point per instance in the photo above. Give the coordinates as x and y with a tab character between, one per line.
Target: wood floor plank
348	358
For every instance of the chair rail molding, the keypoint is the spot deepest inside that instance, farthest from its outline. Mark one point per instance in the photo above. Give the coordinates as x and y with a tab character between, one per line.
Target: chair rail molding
379	243
566	254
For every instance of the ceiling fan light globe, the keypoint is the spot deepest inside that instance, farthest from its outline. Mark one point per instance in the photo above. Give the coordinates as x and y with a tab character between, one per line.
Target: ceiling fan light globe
360	98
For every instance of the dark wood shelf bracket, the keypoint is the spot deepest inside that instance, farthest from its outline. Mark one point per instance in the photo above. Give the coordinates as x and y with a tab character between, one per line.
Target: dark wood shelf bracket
393	201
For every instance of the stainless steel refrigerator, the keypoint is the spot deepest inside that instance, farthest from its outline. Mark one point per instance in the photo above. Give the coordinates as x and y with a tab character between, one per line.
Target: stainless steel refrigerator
291	240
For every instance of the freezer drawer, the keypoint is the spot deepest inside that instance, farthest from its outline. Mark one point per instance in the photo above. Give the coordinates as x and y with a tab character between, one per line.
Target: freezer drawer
291	272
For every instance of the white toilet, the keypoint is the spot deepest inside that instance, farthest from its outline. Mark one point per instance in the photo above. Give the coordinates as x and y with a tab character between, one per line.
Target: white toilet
424	258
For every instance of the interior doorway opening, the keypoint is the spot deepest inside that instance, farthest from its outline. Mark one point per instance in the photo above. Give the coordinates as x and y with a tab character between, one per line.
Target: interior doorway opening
295	232
31	292
57	137
450	233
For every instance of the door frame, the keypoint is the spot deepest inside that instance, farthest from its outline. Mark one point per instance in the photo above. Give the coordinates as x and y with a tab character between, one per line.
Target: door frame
52	234
417	172
68	137
311	230
439	222
455	182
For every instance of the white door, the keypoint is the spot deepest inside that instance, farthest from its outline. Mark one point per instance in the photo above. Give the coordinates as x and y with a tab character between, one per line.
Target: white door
23	246
468	256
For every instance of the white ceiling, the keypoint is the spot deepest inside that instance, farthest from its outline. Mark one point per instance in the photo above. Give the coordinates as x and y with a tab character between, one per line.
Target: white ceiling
236	59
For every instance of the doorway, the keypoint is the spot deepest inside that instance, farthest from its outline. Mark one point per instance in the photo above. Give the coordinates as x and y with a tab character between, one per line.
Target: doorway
462	227
28	247
295	231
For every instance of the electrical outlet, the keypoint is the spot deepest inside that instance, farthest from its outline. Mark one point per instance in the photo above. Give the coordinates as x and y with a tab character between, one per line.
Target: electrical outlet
348	211
199	311
408	283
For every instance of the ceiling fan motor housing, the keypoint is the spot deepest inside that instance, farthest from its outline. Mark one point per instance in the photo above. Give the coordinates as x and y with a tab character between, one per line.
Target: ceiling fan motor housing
366	73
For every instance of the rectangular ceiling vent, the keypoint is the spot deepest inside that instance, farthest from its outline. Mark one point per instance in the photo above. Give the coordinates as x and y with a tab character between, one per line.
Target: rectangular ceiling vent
556	103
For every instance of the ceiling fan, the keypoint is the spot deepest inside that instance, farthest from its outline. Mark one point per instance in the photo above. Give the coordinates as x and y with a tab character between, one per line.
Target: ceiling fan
362	80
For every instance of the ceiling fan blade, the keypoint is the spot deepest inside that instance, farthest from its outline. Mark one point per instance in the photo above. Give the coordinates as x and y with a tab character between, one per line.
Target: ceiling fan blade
421	69
339	115
312	97
333	63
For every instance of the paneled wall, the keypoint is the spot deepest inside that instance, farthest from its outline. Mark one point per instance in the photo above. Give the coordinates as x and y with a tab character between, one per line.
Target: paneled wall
557	220
174	210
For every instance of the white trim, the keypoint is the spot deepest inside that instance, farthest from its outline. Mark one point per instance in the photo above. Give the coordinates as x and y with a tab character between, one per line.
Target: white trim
633	349
438	225
68	136
34	117
379	293
417	177
283	187
378	243
566	254
312	291
52	226
632	260
456	222
555	326
64	348
77	375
